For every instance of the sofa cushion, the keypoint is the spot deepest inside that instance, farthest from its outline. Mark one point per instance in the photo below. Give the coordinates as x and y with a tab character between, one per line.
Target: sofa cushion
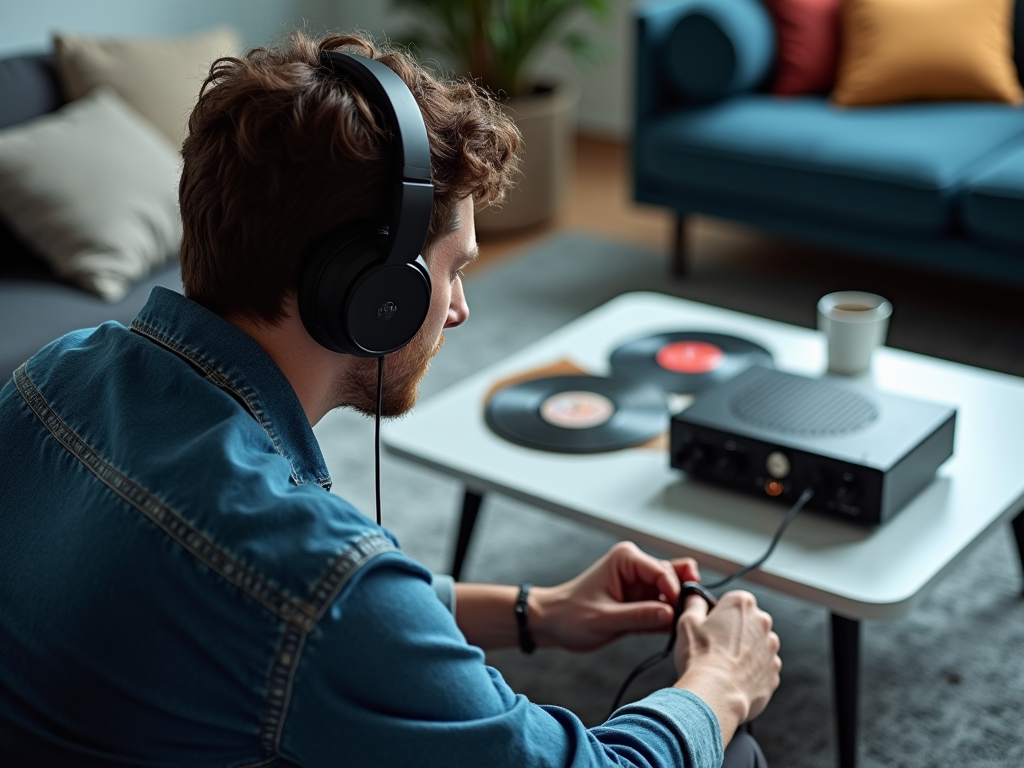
907	50
159	77
993	200
93	189
718	48
896	168
35	309
1018	39
28	88
808	43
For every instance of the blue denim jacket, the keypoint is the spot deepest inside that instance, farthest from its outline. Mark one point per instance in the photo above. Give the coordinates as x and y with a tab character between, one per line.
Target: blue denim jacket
179	588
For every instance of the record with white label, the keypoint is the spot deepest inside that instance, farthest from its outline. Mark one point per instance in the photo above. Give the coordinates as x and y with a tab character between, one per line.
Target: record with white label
687	361
578	414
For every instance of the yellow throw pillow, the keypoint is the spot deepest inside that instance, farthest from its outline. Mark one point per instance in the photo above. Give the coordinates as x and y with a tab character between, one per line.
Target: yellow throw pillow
159	77
909	50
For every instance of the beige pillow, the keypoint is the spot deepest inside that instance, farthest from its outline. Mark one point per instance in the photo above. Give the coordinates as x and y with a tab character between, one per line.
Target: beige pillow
905	50
92	188
159	77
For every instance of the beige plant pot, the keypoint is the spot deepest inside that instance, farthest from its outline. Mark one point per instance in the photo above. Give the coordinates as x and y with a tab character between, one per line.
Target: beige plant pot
547	121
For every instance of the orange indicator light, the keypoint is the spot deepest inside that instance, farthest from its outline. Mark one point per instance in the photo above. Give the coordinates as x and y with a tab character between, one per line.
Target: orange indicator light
774	488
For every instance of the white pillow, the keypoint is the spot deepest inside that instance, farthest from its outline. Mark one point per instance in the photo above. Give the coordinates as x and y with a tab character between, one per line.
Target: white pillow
92	188
158	77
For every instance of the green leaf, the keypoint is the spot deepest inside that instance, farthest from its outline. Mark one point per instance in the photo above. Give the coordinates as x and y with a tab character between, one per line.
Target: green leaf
493	39
586	52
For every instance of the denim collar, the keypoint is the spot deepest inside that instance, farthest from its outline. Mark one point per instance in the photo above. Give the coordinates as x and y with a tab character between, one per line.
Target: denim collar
232	360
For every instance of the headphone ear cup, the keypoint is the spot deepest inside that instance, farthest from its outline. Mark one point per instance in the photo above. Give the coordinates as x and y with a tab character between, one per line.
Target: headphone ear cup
387	306
332	270
350	303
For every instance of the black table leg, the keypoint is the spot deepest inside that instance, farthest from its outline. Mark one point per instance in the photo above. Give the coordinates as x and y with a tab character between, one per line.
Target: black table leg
470	509
1018	533
845	662
679	266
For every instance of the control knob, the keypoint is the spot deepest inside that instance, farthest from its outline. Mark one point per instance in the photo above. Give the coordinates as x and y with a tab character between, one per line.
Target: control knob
848	491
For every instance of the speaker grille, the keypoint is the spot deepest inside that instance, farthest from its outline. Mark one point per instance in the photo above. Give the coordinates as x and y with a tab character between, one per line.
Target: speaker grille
801	406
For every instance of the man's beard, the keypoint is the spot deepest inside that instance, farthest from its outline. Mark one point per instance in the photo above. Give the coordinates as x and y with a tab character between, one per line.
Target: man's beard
403	371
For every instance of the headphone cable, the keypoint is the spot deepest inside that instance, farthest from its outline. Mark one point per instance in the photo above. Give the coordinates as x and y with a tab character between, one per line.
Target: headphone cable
655	658
376	431
790	516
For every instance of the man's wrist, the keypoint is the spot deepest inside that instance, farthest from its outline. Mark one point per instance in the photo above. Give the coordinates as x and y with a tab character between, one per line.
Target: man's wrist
718	689
540	602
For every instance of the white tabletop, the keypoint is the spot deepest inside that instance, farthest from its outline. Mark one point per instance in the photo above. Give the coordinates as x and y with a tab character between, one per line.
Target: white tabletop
861	573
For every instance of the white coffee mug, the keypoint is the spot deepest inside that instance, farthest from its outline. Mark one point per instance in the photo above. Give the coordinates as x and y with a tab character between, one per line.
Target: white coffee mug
855	323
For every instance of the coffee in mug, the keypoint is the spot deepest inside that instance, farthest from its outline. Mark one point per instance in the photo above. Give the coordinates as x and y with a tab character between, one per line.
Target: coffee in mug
855	324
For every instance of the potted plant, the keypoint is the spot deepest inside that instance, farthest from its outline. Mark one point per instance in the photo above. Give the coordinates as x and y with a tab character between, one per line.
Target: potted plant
494	42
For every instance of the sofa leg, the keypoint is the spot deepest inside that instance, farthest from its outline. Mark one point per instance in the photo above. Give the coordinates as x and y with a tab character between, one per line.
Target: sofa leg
679	266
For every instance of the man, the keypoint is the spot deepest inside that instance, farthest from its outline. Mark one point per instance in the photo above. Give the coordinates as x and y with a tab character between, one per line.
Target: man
178	587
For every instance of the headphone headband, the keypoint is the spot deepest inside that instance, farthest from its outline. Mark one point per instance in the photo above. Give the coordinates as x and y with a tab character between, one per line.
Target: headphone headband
365	291
414	192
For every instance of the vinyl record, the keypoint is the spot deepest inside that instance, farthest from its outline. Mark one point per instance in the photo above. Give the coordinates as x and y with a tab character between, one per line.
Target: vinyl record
687	361
578	414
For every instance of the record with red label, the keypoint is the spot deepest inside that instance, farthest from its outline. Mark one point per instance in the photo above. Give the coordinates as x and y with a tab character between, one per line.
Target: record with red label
687	362
578	414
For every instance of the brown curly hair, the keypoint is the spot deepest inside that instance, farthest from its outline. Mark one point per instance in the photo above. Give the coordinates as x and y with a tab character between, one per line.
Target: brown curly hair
280	152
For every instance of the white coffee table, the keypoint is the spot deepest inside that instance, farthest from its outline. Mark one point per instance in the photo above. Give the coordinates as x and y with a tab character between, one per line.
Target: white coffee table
857	573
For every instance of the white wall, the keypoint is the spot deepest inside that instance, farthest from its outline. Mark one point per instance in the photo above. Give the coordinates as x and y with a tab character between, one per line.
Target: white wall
25	25
606	89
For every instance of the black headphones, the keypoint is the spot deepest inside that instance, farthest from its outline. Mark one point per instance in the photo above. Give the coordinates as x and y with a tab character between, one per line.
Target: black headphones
365	289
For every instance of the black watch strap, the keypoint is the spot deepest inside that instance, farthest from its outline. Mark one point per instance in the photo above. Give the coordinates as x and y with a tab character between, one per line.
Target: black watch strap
526	643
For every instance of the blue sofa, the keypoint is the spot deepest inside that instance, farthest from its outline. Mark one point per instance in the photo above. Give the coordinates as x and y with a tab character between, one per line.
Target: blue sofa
939	184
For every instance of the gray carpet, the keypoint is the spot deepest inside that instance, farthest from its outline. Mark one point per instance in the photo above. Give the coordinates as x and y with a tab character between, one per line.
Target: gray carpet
943	686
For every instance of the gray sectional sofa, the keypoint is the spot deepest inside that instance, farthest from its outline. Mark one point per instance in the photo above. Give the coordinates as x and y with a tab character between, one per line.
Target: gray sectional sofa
35	305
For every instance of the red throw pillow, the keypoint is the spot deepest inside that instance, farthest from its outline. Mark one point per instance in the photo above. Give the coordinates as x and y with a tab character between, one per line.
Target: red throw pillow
808	45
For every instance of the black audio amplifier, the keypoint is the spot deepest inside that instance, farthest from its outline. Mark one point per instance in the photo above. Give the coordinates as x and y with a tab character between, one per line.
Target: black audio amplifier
773	434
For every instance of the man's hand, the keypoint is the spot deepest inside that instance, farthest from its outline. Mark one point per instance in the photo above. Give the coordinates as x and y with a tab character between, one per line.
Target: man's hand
728	657
625	591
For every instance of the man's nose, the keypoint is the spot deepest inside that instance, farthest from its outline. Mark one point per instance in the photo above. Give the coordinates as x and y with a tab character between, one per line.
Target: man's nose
458	309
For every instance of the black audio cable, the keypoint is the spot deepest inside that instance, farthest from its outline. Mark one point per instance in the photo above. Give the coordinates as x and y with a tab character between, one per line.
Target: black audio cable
704	590
376	431
790	516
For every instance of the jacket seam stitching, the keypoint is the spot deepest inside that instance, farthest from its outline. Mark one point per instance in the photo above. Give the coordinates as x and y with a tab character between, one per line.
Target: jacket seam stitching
232	391
299	617
163	516
218	379
279	688
344	567
286	661
209	370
